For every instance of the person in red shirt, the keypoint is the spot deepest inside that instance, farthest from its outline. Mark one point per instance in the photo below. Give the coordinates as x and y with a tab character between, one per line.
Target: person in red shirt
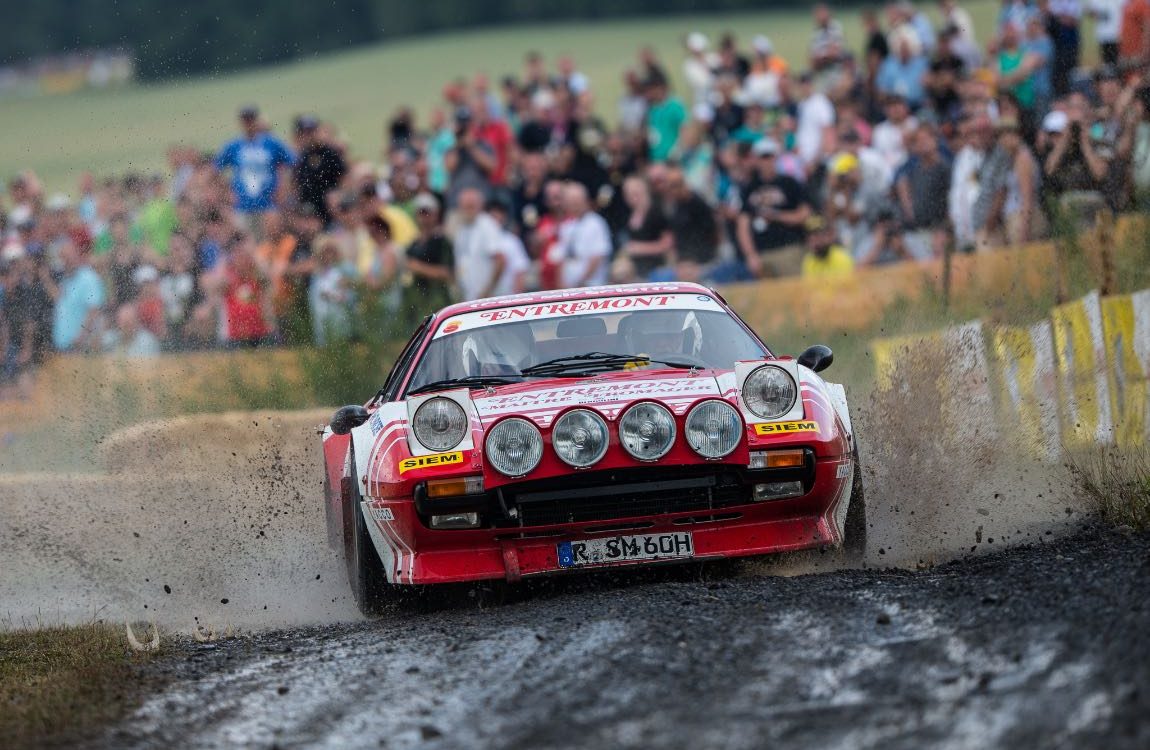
149	303
1134	34
497	135
248	316
546	235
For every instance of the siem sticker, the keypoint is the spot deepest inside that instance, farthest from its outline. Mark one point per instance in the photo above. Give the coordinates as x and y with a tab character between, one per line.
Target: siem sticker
424	462
382	514
782	428
843	471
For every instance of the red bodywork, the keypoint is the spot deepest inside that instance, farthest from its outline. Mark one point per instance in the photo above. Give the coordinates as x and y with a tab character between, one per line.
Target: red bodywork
414	553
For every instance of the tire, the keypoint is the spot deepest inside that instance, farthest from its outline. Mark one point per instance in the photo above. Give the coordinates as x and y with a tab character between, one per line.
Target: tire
854	528
365	572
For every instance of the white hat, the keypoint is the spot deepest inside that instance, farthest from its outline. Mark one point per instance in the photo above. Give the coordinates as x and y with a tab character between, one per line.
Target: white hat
425	202
762	45
1055	121
144	274
697	41
765	147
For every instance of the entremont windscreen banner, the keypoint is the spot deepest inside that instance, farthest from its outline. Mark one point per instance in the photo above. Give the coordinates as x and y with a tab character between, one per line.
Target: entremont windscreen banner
560	309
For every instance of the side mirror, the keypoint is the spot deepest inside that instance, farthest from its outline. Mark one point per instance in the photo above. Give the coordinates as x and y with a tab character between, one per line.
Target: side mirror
817	357
347	418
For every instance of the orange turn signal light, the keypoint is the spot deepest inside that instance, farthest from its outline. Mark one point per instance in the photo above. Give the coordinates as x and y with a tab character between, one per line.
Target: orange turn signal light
784	459
454	487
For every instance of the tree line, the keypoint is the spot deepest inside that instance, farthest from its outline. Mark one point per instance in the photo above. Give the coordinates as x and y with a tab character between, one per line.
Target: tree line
174	39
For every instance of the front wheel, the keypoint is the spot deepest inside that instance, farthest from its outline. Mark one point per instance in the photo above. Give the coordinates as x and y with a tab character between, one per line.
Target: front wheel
365	571
854	528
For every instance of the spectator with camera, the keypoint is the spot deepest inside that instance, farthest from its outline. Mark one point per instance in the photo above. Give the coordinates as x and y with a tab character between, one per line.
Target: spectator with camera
1078	163
471	162
853	205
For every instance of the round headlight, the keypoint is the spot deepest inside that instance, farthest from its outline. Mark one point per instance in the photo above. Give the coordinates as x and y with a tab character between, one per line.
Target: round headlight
440	424
713	429
769	392
514	447
647	431
580	437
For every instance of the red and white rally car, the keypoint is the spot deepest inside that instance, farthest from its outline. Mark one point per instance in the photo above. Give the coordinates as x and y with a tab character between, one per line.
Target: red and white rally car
587	428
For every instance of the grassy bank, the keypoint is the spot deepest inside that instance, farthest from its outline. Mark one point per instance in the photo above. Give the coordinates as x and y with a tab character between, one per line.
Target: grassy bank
61	683
1117	483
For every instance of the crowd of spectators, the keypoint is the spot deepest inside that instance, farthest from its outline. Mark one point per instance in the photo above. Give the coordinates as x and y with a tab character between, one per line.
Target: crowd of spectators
923	139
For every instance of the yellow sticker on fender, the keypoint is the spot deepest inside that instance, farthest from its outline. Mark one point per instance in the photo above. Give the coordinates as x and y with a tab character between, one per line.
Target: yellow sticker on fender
426	462
783	428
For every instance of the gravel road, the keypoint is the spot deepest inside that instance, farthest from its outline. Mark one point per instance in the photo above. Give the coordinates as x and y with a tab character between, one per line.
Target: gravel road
1041	645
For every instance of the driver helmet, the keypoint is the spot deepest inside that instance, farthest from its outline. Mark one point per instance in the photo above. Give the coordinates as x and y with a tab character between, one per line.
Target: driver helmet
500	350
655	333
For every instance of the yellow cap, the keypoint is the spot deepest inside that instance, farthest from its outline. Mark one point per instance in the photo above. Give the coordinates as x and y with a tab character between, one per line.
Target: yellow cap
844	164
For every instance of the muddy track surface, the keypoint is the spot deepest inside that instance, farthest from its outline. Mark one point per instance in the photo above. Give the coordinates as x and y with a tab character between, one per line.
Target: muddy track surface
1042	645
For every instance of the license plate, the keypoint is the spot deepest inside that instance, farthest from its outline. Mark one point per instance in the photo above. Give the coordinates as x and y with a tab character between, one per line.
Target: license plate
616	549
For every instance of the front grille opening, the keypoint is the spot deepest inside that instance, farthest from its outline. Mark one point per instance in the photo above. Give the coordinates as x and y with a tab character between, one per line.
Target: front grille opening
619	497
714	518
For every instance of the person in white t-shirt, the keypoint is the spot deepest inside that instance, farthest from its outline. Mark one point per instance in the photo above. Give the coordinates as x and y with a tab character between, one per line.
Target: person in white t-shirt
477	245
584	247
889	136
698	68
815	115
516	263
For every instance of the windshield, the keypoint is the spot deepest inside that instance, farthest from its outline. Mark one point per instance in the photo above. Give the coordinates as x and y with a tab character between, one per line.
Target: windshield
684	329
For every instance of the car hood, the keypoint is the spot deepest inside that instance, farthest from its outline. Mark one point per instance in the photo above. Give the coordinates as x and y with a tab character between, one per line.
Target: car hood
610	393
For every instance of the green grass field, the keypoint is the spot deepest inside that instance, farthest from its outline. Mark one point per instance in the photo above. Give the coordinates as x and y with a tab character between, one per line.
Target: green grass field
129	129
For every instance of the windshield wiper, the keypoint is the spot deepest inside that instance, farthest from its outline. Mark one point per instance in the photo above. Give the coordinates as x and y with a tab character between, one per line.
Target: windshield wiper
593	362
469	381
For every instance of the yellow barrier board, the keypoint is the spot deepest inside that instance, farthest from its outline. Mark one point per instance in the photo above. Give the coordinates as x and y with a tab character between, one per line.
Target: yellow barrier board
1024	361
1080	357
1125	327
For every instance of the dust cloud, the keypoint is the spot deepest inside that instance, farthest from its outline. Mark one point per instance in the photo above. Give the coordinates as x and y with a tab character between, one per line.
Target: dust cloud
945	473
212	520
